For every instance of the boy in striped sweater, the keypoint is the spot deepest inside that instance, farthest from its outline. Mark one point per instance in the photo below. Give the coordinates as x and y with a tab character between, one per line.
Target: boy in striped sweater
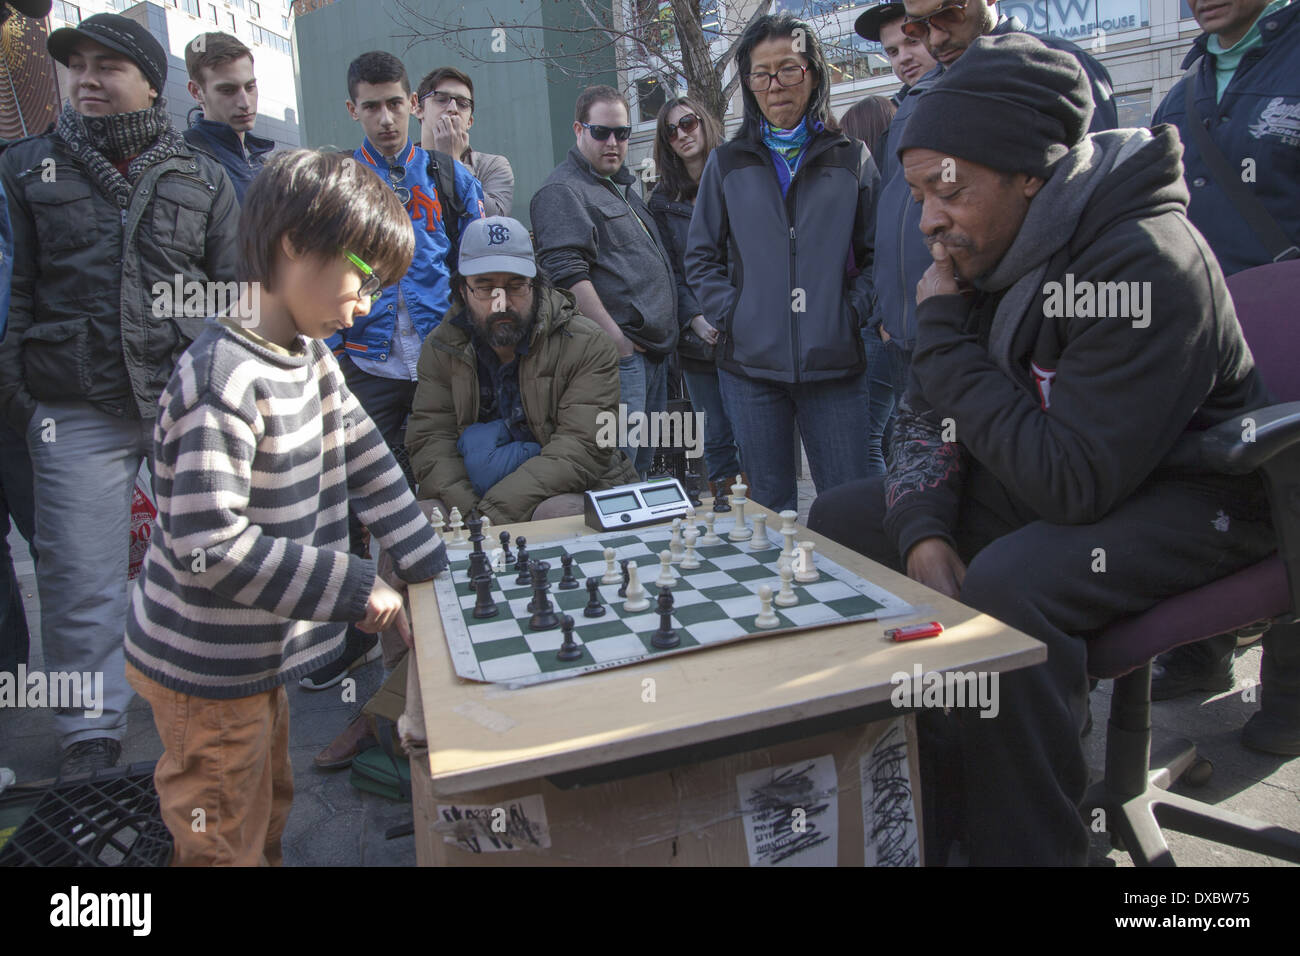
259	445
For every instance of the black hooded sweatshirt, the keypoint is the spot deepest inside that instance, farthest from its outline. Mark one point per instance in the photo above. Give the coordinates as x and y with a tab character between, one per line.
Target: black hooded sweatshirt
1034	396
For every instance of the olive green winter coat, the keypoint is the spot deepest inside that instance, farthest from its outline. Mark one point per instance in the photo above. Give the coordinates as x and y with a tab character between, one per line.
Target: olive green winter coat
568	377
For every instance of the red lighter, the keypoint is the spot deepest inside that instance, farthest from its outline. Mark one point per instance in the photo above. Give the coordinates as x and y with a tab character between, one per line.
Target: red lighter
914	631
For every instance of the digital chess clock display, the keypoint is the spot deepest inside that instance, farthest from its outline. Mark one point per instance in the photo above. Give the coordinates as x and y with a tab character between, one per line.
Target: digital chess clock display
631	506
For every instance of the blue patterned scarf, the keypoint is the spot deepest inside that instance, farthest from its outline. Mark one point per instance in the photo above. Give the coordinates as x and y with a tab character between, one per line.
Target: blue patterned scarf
787	146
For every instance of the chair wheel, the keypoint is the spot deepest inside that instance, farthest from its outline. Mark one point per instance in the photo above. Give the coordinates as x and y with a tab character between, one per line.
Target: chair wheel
1199	773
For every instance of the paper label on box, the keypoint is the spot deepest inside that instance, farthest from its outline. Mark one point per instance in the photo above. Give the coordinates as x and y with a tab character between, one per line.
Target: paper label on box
791	814
482	828
888	810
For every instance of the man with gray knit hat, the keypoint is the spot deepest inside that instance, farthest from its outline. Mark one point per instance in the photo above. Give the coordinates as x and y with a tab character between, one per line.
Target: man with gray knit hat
1072	327
107	209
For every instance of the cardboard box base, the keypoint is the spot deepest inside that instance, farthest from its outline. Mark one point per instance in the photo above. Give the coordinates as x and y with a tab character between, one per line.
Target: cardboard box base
846	798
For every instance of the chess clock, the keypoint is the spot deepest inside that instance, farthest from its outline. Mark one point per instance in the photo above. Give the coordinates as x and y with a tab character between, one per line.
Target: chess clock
635	505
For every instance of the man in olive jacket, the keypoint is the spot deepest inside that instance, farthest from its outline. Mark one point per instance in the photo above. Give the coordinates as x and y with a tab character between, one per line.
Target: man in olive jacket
112	214
513	374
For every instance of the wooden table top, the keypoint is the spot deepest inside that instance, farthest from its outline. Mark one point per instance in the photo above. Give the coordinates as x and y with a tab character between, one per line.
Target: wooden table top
483	735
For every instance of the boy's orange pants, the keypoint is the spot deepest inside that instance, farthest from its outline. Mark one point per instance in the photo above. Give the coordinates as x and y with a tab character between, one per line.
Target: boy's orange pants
224	781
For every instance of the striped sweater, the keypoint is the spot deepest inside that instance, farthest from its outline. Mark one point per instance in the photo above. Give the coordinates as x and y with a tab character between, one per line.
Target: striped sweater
247	582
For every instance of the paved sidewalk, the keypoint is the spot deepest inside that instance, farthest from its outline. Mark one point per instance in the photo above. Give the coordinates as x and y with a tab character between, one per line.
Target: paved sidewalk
334	824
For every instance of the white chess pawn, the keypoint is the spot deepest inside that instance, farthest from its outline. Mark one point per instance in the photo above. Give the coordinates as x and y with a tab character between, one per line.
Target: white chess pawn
709	538
636	594
766	616
675	542
612	575
690	561
788	521
760	542
786	596
807	572
667	578
487	528
740	531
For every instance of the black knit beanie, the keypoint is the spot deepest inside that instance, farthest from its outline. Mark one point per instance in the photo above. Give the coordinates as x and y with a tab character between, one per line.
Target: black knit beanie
1009	102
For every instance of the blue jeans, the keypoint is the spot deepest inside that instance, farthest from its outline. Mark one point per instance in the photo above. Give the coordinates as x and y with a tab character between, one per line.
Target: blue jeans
880	399
84	465
388	403
830	416
643	387
16	502
721	459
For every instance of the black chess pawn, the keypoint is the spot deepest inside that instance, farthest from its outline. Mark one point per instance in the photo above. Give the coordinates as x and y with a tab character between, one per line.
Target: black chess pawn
484	606
567	581
665	637
594	608
504	538
622	588
570	650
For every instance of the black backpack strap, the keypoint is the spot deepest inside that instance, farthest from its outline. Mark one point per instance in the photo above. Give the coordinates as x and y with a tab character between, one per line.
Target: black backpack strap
1247	204
442	170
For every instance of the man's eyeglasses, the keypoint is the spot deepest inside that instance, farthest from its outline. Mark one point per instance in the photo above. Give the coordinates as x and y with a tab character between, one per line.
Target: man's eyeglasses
371	285
515	289
396	174
788	75
442	99
686	124
601	133
950	14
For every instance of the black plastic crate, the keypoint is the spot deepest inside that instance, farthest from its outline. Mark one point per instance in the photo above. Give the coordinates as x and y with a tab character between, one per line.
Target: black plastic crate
109	818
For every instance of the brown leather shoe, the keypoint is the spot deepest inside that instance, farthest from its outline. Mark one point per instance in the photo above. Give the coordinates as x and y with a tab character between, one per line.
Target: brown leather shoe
359	735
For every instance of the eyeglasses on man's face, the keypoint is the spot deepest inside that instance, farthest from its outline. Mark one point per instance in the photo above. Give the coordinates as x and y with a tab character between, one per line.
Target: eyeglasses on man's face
686	124
516	289
950	14
371	284
601	133
442	99
789	75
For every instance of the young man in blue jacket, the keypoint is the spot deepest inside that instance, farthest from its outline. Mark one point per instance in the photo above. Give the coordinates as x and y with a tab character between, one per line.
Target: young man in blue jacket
1246	85
378	355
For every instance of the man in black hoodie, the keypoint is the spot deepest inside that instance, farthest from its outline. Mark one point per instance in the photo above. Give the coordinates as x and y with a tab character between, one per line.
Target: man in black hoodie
1072	328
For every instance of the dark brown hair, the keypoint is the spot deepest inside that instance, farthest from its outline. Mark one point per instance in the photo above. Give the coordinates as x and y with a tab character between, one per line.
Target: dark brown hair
375	68
325	202
868	119
217	49
673	177
597	94
434	77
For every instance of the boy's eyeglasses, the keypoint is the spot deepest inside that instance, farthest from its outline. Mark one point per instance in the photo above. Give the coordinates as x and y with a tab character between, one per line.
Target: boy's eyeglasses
789	75
515	289
371	285
950	14
442	99
601	133
686	124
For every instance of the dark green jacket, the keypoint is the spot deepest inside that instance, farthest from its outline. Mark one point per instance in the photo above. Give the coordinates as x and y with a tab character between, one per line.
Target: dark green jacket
83	321
568	377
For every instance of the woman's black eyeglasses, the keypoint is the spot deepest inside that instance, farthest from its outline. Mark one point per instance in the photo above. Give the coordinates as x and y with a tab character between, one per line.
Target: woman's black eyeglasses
601	133
686	124
789	75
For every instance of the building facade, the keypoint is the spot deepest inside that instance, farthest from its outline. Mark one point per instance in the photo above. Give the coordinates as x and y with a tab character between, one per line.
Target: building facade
264	26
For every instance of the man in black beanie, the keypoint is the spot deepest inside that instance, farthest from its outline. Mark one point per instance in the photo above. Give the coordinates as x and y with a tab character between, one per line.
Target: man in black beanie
108	209
1072	327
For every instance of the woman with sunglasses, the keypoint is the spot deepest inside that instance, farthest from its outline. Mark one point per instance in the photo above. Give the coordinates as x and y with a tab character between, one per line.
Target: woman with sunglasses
785	212
684	137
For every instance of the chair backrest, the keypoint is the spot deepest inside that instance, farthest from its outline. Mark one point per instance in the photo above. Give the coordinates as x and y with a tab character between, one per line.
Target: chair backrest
1267	300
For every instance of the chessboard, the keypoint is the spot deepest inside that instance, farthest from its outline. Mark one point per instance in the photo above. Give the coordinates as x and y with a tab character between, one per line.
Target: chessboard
716	603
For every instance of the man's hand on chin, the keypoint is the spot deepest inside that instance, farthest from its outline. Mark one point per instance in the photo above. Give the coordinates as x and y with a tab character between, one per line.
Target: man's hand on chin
940	278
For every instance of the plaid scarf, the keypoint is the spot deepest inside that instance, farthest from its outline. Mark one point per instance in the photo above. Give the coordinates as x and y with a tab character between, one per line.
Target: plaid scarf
100	141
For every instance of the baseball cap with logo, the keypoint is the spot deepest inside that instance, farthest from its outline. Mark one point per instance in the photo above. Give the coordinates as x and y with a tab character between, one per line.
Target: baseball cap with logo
868	25
496	244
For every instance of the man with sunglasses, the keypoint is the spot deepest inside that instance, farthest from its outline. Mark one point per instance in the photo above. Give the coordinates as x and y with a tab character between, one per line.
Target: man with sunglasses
446	112
378	355
596	238
947	28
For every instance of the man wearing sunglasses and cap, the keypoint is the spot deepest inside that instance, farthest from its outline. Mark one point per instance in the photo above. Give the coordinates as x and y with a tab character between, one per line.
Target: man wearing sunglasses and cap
947	28
596	238
106	207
